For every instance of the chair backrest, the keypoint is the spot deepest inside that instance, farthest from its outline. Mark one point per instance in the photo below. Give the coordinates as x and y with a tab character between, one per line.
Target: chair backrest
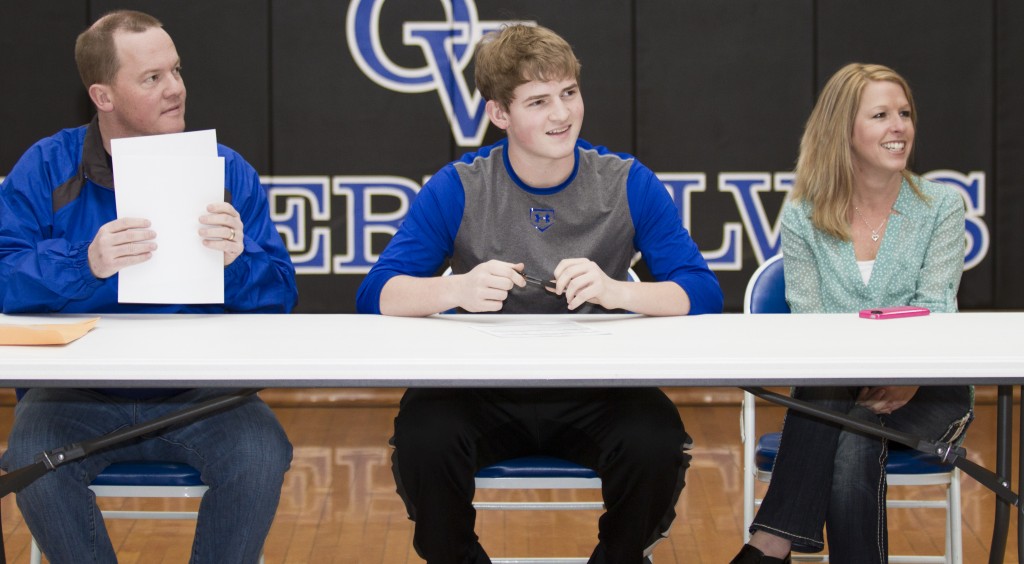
766	290
147	480
766	293
537	473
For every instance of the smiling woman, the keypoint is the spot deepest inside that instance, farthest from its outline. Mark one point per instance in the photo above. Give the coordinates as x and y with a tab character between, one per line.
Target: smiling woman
859	232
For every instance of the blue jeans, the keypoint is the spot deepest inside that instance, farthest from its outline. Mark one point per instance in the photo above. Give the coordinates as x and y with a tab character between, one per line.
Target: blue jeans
832	477
242	454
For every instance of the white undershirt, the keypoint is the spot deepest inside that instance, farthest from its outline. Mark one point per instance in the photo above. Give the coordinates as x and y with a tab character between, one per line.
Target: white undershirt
865	267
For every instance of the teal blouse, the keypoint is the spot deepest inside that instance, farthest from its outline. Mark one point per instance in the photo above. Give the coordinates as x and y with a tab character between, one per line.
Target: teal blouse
919	262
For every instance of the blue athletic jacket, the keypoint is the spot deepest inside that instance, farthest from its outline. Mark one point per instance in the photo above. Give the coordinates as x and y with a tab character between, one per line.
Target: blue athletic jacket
61	192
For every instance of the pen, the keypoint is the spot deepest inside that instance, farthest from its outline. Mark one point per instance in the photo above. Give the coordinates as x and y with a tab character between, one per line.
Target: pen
532	280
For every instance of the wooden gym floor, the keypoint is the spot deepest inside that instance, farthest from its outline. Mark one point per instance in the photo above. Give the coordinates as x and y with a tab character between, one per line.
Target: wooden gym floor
338	503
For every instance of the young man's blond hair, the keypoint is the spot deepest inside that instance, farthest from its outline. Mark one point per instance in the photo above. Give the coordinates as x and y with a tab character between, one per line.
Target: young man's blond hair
519	54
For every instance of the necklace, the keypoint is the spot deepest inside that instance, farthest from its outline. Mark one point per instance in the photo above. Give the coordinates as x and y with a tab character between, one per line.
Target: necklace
874	232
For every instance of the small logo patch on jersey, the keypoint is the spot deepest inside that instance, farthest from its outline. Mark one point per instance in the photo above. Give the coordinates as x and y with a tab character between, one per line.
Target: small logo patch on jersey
542	218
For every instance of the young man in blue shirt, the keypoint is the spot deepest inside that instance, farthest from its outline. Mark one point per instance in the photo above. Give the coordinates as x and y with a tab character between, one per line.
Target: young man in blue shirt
541	205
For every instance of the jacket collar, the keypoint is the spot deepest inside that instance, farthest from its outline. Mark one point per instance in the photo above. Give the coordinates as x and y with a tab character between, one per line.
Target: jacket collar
907	201
95	162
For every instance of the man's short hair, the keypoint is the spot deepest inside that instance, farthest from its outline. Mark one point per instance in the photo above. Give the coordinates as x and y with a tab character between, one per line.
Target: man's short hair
95	52
517	54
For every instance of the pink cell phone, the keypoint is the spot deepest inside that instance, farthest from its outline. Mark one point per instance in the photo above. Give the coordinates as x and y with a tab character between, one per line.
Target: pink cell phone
893	312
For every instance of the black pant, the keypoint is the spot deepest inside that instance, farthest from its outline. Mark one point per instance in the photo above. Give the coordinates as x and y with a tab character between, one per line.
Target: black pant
633	438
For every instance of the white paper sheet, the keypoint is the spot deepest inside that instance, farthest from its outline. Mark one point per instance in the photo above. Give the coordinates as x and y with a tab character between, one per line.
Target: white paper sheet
169	180
190	143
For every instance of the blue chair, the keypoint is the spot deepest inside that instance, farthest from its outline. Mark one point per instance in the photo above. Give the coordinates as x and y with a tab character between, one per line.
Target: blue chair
148	479
144	480
537	473
766	293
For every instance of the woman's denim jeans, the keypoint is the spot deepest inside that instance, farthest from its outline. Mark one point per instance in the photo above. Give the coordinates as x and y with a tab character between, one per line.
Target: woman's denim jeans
827	476
242	453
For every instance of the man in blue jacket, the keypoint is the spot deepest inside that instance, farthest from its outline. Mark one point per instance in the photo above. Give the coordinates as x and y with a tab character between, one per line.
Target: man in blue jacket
61	247
541	222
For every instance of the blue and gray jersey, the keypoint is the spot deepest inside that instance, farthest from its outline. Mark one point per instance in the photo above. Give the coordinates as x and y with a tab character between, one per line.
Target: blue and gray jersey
611	206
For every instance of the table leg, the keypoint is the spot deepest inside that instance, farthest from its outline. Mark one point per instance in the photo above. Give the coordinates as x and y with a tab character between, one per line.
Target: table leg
1004	469
3	549
1020	476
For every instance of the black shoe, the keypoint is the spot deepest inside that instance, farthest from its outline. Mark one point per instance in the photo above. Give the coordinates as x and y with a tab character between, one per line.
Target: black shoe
751	555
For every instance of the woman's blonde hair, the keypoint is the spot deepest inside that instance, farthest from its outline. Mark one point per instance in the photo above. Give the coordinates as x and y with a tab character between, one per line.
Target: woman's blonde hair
824	170
517	54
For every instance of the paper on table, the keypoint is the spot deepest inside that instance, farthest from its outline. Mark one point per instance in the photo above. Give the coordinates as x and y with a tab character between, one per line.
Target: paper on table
539	329
49	334
169	180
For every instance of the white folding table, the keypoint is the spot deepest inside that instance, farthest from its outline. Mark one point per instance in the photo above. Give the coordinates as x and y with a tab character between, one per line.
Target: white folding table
344	350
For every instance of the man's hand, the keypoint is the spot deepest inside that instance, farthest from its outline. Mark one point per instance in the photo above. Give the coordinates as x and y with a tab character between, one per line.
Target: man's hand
582	280
225	232
120	243
885	399
486	286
